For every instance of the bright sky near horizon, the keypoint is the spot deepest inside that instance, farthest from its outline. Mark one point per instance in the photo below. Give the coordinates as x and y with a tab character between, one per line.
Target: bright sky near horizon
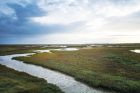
69	21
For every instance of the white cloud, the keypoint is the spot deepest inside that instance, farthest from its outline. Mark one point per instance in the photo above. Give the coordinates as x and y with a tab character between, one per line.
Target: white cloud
124	8
68	11
103	19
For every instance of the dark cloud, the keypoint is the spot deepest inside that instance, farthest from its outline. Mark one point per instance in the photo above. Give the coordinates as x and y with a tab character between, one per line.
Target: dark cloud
20	24
23	13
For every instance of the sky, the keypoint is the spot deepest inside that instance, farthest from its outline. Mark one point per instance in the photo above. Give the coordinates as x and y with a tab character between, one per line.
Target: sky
69	21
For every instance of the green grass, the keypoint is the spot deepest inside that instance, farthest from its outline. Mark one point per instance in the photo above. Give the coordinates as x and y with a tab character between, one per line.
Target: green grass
17	49
13	49
12	81
110	68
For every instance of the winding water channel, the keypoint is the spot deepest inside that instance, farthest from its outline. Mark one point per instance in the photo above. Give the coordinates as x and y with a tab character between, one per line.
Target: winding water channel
66	83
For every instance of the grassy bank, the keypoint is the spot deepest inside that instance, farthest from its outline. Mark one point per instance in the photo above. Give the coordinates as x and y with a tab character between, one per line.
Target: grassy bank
12	81
17	49
14	49
114	68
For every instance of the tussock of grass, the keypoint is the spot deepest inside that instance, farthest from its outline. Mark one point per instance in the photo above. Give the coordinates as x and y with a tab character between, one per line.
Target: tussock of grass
111	68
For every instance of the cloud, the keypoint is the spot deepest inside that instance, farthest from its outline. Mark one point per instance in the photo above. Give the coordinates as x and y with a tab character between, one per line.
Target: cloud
70	21
16	20
69	11
16	23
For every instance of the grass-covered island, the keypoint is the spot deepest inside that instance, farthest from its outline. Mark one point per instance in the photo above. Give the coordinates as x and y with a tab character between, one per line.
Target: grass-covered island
12	81
115	68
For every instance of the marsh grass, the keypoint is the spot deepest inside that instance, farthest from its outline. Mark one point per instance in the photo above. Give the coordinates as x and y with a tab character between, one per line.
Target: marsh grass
111	68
